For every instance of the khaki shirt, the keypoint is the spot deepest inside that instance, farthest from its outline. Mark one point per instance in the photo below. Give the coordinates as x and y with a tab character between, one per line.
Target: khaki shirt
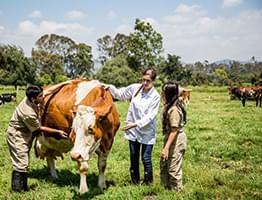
175	118
25	117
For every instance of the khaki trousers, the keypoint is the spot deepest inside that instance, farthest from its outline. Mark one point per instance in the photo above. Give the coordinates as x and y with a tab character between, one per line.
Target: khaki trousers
19	143
171	169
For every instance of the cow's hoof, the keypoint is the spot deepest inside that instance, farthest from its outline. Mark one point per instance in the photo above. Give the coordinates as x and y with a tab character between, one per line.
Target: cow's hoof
54	176
83	190
102	185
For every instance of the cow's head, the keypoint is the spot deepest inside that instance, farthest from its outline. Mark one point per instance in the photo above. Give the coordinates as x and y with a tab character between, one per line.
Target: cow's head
86	133
184	95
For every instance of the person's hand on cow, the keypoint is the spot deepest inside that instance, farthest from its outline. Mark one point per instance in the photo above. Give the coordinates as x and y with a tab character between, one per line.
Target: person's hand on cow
105	86
56	133
62	134
128	125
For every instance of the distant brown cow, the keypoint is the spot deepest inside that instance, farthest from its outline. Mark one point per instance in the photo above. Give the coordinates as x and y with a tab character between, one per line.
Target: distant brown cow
258	96
185	95
244	93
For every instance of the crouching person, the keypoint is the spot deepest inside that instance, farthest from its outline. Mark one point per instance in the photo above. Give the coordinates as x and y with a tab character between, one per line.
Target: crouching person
22	126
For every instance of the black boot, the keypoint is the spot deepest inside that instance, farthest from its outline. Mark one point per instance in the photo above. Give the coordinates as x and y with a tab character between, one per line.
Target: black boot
148	178
17	181
135	177
24	179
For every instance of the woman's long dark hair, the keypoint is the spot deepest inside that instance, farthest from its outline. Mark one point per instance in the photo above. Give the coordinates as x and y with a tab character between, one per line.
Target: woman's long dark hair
170	90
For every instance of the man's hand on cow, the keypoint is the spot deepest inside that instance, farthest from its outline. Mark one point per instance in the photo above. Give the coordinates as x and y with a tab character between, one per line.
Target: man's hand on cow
128	125
105	86
62	134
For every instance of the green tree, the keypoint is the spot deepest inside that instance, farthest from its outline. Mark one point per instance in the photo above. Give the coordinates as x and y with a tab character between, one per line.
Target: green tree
200	74
145	46
119	46
221	76
117	72
15	68
104	48
60	55
111	47
82	61
50	64
142	48
172	68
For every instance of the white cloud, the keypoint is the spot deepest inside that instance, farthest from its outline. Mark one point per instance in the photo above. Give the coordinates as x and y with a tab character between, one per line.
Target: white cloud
29	28
75	14
2	28
28	32
112	14
231	3
35	14
190	33
185	14
196	10
193	35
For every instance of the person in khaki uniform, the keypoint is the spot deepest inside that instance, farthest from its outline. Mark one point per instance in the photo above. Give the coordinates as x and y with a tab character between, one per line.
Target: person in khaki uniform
20	133
173	121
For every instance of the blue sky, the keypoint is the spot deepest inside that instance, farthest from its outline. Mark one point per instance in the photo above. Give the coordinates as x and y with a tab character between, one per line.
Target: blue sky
195	30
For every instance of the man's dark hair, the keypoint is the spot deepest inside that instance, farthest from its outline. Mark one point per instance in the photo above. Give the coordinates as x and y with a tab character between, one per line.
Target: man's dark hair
33	91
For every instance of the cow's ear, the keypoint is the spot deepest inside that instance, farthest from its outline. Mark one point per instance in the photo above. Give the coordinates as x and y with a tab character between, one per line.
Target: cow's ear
72	136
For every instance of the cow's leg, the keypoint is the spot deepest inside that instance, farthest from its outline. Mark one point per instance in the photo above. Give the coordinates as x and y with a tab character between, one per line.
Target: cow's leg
244	102
51	166
83	167
102	158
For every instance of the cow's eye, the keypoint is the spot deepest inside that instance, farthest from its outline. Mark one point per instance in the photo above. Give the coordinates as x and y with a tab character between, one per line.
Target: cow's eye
90	131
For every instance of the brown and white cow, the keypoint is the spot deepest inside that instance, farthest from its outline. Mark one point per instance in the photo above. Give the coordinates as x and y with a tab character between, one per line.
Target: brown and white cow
85	110
185	95
244	93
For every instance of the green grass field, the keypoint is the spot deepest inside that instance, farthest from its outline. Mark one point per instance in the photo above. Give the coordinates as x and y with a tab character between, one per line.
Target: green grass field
223	158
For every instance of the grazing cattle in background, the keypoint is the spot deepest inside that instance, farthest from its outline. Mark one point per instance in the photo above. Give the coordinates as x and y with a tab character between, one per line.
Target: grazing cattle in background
243	93
7	97
259	96
85	110
240	93
185	95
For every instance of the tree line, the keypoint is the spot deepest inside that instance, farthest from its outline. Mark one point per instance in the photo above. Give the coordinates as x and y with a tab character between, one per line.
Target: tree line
55	58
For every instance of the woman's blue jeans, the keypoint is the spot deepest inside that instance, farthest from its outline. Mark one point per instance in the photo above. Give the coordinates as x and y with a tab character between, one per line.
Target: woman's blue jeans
146	159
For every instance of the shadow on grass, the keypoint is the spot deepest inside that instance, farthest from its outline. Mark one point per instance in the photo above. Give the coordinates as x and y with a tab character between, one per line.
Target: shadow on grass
68	178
